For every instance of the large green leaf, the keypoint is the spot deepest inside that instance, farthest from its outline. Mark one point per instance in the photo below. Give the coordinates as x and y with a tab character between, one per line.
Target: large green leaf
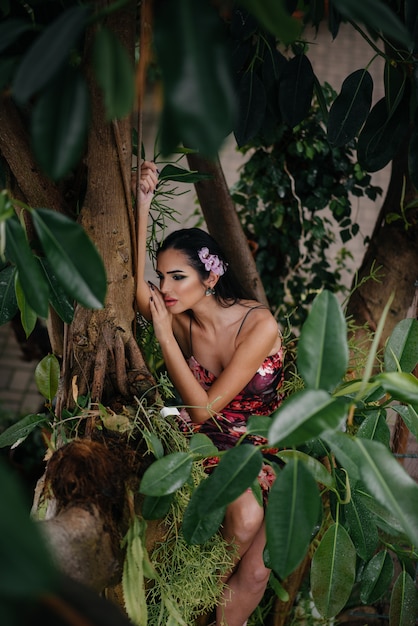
382	135
400	385
235	473
383	477
350	108
274	16
26	568
60	122
167	475
31	276
8	302
395	78
291	517
75	260
49	52
197	529
322	356
28	316
375	427
57	296
156	507
200	103
21	429
361	527
409	414
305	415
114	73
377	16
401	349
252	106
376	577
47	375
296	89
333	571
180	175
201	445
403	601
10	31
317	469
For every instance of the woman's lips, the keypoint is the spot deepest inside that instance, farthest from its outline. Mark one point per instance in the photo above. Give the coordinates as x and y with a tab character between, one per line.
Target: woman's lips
170	302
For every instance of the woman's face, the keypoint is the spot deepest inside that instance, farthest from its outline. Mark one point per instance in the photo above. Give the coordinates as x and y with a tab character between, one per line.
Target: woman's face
180	284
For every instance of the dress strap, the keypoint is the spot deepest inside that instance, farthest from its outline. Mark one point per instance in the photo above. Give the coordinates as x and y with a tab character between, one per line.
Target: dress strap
259	306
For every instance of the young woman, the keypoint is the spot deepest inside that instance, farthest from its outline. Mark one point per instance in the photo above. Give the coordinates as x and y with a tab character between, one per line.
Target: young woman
223	353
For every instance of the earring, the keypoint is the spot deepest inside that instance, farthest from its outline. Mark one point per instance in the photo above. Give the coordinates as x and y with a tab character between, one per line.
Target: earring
209	291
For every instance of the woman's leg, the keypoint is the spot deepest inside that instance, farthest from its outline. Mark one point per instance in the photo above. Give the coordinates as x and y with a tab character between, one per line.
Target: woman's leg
244	526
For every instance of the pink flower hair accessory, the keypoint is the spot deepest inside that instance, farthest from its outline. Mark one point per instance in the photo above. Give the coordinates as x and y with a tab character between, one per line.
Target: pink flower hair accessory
212	262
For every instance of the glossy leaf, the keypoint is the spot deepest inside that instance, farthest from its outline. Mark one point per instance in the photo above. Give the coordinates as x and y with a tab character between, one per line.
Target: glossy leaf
361	527
21	429
235	473
296	89
333	571
305	415
377	16
381	136
8	302
75	260
315	467
57	296
375	427
291	517
272	14
28	316
180	175
200	102
403	601
49	52
259	425
10	31
156	507
376	577
201	445
31	277
400	385
114	73
383	477
350	108
167	475
409	414
322	356
252	106
60	121
197	528
394	79
47	375
402	346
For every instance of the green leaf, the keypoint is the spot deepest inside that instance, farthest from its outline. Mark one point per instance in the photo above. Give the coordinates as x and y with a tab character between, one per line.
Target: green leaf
252	106
200	102
180	175
272	14
258	425
48	53
375	427
291	517
31	276
333	571
376	577
166	475
361	527
296	89
394	81
8	302
377	16
201	445
28	316
315	467
400	386
10	31
21	429
60	122
409	415
75	260
403	602
57	296
382	135
402	346
198	529
47	375
350	108
156	507
26	567
114	73
305	415
235	473
383	477
322	357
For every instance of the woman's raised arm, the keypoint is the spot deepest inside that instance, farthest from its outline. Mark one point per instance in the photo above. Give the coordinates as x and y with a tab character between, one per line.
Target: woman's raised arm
147	184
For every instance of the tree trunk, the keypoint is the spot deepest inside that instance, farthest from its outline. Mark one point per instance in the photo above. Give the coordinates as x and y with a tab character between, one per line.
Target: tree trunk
224	225
393	249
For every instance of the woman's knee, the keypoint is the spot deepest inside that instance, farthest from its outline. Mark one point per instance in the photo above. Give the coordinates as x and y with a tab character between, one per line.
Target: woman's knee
243	520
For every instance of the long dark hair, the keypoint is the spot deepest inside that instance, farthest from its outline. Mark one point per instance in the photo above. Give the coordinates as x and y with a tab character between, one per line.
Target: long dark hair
228	289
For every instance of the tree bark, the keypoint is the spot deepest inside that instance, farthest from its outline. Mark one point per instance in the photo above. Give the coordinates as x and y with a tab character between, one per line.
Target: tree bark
224	225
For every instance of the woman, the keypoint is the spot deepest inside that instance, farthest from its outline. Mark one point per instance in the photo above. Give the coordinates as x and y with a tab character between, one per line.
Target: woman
223	354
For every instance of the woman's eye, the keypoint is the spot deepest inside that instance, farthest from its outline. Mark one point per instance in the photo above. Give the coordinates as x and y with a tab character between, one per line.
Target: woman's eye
178	277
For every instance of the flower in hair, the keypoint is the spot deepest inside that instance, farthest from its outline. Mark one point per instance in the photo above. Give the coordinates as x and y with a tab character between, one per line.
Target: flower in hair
212	262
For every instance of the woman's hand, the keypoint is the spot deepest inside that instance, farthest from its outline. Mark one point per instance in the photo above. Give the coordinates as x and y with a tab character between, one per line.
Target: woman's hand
148	180
162	319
